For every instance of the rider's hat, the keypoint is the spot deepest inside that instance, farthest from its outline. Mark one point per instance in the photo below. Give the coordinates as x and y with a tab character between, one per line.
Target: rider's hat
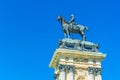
72	15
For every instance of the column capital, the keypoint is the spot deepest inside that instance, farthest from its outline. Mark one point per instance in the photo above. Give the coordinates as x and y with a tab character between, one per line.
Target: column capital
98	71
56	76
62	67
90	70
70	68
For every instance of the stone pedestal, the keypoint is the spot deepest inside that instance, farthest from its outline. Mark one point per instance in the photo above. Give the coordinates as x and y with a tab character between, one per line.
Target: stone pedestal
77	65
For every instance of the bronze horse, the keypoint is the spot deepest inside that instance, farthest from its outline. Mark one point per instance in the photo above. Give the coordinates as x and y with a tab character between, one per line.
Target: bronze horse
72	28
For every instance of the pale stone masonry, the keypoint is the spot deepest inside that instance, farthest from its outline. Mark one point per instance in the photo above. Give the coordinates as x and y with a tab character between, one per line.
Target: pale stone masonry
77	65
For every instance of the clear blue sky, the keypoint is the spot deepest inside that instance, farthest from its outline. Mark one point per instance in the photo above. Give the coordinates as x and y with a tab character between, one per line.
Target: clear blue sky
29	34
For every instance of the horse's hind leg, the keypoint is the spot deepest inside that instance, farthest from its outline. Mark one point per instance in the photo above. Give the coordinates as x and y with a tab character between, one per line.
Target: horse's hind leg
65	35
68	34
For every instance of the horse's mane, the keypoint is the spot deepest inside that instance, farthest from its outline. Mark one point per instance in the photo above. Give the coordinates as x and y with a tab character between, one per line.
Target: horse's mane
66	22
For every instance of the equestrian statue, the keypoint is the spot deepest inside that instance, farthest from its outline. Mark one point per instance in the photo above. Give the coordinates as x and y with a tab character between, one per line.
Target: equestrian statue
72	27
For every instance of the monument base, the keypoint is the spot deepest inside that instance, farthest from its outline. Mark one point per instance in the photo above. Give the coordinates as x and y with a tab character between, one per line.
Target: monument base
76	64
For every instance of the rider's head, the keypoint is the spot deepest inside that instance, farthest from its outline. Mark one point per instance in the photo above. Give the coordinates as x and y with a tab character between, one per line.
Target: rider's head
72	15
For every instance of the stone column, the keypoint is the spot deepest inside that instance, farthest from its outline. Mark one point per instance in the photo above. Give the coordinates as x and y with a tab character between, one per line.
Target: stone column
98	74
91	73
62	75
56	77
71	72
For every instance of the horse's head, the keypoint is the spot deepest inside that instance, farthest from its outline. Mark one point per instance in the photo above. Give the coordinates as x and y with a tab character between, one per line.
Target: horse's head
62	20
59	18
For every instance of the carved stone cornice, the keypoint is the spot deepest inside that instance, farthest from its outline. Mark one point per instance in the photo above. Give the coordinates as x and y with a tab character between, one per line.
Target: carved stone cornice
75	54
